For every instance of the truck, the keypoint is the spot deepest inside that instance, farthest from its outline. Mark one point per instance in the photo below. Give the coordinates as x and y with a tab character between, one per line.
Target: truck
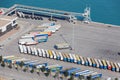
62	46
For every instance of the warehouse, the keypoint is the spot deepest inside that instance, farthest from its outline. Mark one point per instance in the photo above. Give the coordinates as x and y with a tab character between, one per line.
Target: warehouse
7	23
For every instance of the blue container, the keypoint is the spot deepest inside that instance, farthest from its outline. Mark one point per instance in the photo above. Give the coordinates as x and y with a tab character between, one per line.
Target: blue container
78	62
64	59
68	59
104	67
101	67
71	60
86	63
94	65
113	69
96	76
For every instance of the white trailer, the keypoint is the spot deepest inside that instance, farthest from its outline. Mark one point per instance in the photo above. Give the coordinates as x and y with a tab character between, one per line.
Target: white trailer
29	49
27	41
27	36
119	66
33	52
116	67
82	61
71	58
24	49
21	49
96	61
90	62
40	52
75	60
54	55
43	52
61	56
47	54
36	52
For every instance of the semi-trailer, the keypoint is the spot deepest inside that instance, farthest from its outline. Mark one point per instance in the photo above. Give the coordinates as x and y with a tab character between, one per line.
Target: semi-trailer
119	66
116	67
89	60
82	61
50	54
61	57
104	64
78	59
29	49
41	65
100	63
97	63
71	58
86	61
39	52
72	70
21	49
27	36
58	56
43	53
108	65
96	75
24	49
68	58
47	54
93	62
64	57
32	51
113	66
54	55
74	57
36	52
78	74
41	38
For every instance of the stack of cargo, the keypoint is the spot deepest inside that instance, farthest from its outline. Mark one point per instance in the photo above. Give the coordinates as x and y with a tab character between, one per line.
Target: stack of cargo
37	65
78	72
27	39
72	58
35	37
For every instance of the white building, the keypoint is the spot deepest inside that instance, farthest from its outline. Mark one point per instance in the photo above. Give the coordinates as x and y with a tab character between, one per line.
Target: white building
7	23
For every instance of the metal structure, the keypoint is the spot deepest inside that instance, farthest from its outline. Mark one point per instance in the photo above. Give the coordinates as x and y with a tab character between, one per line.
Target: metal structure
71	16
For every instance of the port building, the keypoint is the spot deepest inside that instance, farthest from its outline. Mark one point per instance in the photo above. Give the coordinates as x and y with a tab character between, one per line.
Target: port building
7	23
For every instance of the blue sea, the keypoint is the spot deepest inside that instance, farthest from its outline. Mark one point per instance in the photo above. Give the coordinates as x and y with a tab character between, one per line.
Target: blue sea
105	11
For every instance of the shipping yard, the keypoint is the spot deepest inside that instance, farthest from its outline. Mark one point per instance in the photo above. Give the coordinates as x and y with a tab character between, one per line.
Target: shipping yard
93	40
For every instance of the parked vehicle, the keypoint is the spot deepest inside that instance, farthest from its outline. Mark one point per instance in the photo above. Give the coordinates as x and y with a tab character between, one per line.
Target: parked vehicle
97	63
104	64
113	67
21	49
62	46
100	63
39	52
109	67
89	60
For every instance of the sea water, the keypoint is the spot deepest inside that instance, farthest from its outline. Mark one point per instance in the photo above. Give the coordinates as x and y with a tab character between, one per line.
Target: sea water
105	11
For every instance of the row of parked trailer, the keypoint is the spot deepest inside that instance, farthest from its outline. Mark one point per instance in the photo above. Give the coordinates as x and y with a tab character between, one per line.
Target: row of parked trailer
73	58
38	36
36	64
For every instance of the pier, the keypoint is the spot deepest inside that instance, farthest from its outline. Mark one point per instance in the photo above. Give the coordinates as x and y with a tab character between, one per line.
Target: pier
65	15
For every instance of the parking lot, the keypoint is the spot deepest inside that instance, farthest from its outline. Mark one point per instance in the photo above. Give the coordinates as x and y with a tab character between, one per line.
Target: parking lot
88	40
